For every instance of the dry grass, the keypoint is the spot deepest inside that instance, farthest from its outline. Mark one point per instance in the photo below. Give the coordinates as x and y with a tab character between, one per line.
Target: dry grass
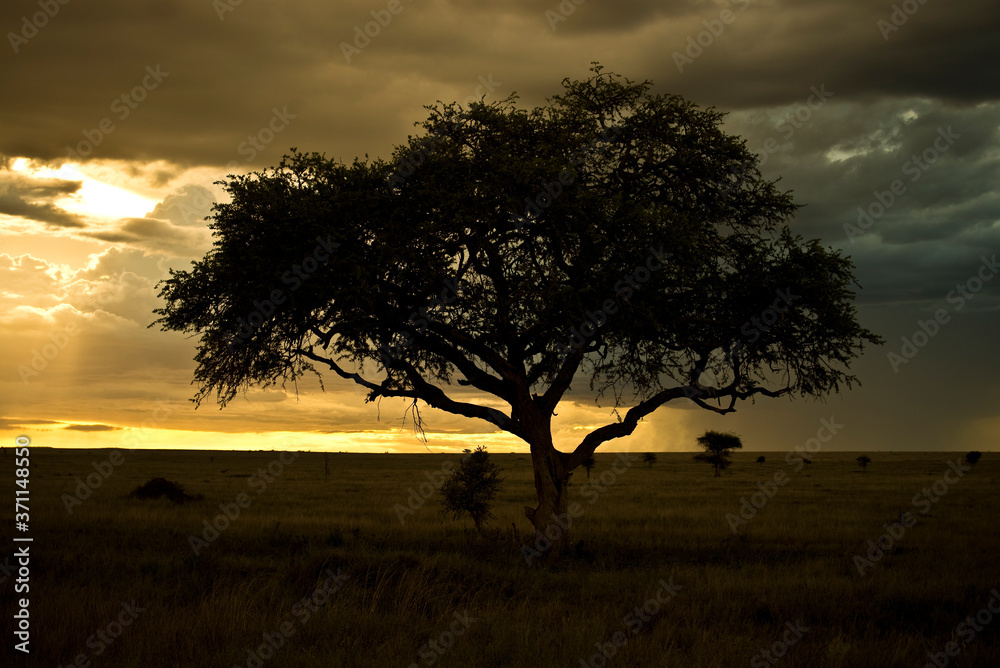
793	562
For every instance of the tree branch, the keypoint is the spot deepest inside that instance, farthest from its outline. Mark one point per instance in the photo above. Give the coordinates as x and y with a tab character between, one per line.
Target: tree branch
433	395
376	390
628	424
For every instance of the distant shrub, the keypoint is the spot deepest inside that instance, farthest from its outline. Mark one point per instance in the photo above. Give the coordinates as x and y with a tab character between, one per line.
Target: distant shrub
649	459
158	488
761	460
863	461
973	457
472	487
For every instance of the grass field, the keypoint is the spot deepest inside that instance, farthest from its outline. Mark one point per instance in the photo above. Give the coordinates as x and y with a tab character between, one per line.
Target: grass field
118	583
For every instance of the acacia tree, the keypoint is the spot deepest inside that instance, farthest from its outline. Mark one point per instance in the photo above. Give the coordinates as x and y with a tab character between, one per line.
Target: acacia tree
718	446
614	238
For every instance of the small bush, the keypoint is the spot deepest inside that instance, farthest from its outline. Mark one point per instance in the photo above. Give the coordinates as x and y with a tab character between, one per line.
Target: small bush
158	488
471	488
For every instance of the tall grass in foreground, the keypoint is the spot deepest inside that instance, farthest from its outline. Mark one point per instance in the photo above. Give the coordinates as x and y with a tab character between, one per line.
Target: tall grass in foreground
428	588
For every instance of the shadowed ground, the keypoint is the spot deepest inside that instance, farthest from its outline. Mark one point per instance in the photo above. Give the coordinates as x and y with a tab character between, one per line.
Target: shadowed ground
326	574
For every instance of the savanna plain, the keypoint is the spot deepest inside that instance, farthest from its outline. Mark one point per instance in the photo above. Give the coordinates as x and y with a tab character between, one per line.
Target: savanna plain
342	560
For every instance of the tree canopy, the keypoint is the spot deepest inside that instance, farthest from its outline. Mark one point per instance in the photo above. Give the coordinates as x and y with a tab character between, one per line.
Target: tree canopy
718	446
614	238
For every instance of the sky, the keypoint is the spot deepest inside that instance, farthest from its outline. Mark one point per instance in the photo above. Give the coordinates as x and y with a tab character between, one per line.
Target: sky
118	118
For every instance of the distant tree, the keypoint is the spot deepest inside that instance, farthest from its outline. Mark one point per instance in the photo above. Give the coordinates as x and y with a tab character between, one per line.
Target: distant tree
649	459
472	487
863	461
761	460
467	451
973	457
461	273
718	447
588	465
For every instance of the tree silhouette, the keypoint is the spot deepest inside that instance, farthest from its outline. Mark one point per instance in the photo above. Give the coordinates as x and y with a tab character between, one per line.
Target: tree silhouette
472	487
761	460
863	461
649	459
718	446
588	465
973	457
614	239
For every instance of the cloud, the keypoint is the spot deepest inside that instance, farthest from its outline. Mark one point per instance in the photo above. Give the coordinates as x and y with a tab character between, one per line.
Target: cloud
188	206
36	294
23	197
19	423
155	235
843	163
37	187
27	280
224	78
225	75
175	227
91	427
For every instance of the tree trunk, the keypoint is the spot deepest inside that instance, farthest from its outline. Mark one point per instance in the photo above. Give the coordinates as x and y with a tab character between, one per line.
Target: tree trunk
550	519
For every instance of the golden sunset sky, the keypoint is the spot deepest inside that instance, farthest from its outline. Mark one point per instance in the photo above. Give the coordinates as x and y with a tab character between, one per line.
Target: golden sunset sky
119	117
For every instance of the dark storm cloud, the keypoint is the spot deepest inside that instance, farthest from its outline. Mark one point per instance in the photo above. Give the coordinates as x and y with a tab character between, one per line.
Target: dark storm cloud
195	83
907	187
582	16
767	52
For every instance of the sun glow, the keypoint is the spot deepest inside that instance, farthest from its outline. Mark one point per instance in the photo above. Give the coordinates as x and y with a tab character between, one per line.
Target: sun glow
94	198
101	199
